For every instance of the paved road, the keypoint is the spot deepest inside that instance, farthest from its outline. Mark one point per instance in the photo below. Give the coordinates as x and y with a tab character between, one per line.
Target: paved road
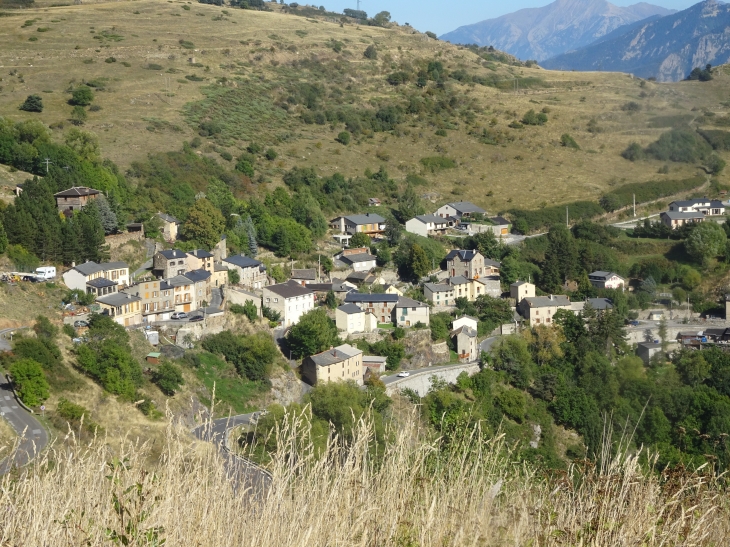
487	343
5	344
417	372
145	268
245	475
34	437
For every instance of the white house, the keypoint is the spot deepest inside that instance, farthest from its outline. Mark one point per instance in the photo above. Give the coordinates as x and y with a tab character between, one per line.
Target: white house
409	312
350	318
77	277
440	294
290	299
359	262
541	309
459	209
606	280
520	290
465	341
465	321
427	225
705	206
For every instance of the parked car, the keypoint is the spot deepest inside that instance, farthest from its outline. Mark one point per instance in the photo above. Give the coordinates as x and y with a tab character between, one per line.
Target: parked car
179	315
634	323
80	324
404	374
196	318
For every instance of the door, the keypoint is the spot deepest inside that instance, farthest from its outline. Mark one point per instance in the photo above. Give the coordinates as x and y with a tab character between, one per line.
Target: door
126	321
504	231
186	307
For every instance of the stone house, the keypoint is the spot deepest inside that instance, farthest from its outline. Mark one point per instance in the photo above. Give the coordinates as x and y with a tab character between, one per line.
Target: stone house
169	263
465	341
539	310
340	364
380	305
75	199
470	264
251	272
441	294
200	259
169	227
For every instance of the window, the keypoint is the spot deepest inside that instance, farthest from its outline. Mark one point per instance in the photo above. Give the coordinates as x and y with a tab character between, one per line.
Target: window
276	299
268	299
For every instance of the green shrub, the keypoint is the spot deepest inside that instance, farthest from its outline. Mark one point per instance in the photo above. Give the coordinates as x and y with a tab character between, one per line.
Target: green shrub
226	155
186	44
569	142
110	60
168	378
371	52
30	382
68	330
343	138
631	107
634	152
82	96
271	154
397	78
437	163
33	39
194	78
533	118
441	132
33	103
546	217
647	191
679	145
719	140
248	309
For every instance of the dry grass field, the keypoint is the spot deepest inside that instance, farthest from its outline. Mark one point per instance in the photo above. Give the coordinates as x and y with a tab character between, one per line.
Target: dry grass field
7	437
157	45
474	494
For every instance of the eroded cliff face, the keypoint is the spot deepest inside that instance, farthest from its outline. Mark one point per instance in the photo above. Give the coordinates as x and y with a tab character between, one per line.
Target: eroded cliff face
666	49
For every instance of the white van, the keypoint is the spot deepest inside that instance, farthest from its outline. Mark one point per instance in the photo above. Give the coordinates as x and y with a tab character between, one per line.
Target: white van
46	272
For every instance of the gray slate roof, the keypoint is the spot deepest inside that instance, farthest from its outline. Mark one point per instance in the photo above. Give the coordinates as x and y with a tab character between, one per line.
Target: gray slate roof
367	218
350	309
289	289
77	191
171	254
432	218
118	299
458	280
197	275
676	215
547	301
464	256
438	287
242	261
101	282
310	273
178	281
363	297
466	207
360	257
88	268
470	332
602	275
168	218
200	253
404	302
335	355
697	201
600	303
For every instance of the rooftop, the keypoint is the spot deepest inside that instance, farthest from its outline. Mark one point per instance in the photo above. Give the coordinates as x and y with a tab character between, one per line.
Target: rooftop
178	281
197	275
168	218
335	355
464	256
242	261
118	299
360	257
431	218
603	275
675	215
438	287
76	191
200	253
600	303
349	309
290	289
88	268
519	283
310	273
101	282
500	221
548	301
458	280
404	302
373	359
470	332
698	201
367	218
170	254
466	207
363	297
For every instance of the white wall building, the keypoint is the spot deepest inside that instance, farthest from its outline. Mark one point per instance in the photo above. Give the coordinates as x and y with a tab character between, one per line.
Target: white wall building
77	277
290	299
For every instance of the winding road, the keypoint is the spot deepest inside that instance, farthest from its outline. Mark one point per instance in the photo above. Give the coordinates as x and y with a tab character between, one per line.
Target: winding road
34	437
245	474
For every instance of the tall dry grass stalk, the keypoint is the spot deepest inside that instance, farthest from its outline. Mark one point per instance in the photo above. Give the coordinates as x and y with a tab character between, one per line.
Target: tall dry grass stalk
415	495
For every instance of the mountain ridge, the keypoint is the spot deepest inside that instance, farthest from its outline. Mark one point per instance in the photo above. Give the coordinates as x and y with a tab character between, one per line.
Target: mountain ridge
548	31
666	49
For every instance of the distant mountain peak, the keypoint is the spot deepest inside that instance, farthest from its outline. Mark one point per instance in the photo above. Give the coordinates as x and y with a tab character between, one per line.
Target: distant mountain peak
564	25
666	48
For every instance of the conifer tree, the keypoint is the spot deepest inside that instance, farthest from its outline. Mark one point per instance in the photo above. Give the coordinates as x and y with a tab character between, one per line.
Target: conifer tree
92	234
3	239
107	216
253	247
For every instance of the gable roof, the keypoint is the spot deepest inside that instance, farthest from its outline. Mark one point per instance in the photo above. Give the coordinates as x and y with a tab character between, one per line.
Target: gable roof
118	299
360	257
76	191
290	289
438	287
101	282
466	329
500	221
367	218
519	283
602	275
600	303
309	273
197	275
676	215
458	280
242	261
365	297
547	301
171	254
466	207
431	218
178	281
462	255
698	201
405	302
90	267
335	355
350	309
168	218
200	253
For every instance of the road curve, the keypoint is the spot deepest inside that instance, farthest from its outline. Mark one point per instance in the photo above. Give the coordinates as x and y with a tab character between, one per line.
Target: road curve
244	474
33	436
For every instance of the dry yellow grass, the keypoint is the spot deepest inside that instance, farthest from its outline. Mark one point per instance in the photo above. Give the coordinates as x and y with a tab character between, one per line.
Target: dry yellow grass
474	496
532	170
7	437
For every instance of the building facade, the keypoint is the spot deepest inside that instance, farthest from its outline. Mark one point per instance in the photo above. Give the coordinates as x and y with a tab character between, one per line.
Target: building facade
540	310
350	319
251	272
340	364
606	280
290	299
169	263
427	225
409	313
77	277
123	308
75	199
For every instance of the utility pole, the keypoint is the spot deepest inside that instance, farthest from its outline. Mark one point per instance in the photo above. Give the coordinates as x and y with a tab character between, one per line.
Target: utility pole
48	162
319	267
634	205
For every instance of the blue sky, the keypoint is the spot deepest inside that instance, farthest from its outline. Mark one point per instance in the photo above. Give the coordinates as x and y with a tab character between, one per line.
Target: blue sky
441	16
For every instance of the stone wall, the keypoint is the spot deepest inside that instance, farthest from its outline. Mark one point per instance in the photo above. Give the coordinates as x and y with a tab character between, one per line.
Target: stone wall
117	240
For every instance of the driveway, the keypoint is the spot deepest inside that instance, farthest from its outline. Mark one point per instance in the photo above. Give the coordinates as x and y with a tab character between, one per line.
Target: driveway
33	435
5	344
418	371
245	474
486	344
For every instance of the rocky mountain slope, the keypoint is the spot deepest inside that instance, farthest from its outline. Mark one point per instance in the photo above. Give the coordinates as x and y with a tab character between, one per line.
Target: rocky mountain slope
564	25
667	48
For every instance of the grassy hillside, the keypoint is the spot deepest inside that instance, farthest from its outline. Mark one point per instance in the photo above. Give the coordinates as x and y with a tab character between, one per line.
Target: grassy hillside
180	69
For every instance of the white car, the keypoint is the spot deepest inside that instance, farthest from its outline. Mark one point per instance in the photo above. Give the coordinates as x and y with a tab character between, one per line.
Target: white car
404	374
179	315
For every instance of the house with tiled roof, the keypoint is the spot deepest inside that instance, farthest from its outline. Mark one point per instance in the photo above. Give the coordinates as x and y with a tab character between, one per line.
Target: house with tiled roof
368	223
251	272
75	198
79	276
169	263
290	299
340	364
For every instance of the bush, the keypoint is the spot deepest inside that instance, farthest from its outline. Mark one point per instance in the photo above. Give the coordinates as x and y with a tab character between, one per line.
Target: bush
34	103
634	152
82	96
371	52
186	44
437	163
30	382
343	138
248	309
245	166
110	60
226	155
271	154
532	118
631	107
569	142
397	78
78	115
168	378
68	330
679	145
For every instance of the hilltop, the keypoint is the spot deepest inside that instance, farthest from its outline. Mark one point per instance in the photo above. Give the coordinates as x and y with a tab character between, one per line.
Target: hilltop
177	71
